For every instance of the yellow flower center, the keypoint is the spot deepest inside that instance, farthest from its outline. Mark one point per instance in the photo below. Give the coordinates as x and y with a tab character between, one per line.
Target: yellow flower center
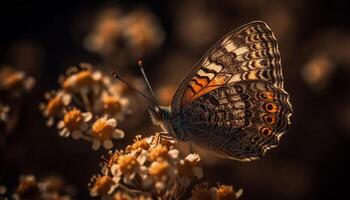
158	169
158	152
225	192
81	79
102	185
101	129
111	104
73	119
139	144
127	164
113	159
13	80
54	106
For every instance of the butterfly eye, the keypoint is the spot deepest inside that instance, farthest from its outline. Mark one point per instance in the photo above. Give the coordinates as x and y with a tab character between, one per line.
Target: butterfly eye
266	131
271	107
270	119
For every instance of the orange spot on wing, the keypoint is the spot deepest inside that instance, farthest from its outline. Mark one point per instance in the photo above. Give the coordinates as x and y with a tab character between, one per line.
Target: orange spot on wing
195	86
187	97
201	81
267	95
200	87
271	107
217	82
204	91
270	119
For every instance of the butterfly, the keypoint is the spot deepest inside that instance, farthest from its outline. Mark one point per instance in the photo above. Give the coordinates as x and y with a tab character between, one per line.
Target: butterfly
232	102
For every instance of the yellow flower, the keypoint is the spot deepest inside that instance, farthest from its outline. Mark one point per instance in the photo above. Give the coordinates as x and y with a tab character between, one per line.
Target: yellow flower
15	81
73	119
226	192
55	105
139	143
127	164
74	122
111	104
101	186
158	152
115	106
82	80
191	166
103	130
159	169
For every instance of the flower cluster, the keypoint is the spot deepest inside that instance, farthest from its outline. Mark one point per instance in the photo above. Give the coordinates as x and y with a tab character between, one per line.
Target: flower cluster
14	84
85	107
117	35
150	168
51	187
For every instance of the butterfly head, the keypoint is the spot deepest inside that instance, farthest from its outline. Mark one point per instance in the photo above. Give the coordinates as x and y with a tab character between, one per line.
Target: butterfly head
159	114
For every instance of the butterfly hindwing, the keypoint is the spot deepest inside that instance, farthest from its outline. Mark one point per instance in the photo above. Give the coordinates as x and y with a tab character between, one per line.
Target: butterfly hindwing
247	53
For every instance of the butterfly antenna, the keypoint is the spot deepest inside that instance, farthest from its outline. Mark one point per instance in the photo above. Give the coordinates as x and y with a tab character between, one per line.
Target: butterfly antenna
140	64
135	90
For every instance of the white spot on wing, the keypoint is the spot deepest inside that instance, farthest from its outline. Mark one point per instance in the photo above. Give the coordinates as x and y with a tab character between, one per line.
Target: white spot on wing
235	78
241	50
209	75
230	47
214	67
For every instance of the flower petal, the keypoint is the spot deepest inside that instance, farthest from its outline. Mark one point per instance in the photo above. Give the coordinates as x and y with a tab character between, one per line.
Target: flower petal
112	122
96	144
50	122
118	134
64	133
107	144
87	116
60	125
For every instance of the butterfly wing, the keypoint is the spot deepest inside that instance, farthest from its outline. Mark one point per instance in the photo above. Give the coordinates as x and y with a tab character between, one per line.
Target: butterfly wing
241	55
231	78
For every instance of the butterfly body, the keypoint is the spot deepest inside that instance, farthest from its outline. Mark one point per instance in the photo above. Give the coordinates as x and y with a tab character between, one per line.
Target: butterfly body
233	101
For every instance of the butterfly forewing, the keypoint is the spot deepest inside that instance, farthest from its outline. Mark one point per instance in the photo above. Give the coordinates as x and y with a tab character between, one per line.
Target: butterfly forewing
233	102
247	53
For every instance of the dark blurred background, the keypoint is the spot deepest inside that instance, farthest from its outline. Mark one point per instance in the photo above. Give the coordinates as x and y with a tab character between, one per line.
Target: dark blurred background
43	38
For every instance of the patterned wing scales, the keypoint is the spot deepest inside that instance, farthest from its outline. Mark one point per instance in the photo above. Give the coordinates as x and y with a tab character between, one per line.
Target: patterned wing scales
239	120
247	53
233	101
